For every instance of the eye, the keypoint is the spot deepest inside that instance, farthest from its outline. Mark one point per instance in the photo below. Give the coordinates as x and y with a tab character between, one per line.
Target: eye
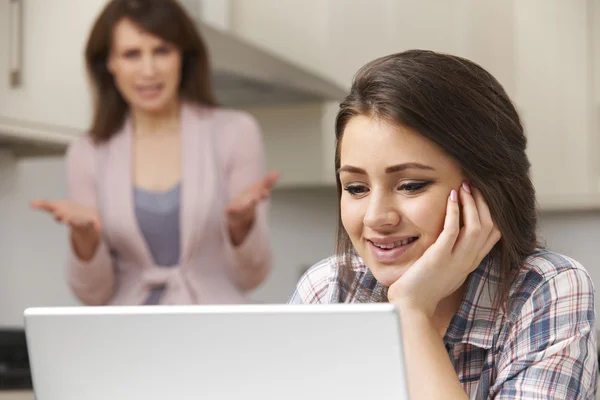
356	190
414	187
131	53
162	50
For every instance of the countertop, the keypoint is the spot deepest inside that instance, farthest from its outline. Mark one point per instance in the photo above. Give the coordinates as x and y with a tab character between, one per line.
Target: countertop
16	395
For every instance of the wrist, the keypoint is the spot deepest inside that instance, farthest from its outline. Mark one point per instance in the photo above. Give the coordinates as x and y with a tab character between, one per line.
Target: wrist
409	308
416	319
238	231
84	244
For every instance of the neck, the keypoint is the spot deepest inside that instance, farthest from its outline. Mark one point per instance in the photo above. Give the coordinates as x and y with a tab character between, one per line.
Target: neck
159	123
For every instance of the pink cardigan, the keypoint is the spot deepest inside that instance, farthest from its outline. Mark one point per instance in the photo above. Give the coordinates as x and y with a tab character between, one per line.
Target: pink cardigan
222	153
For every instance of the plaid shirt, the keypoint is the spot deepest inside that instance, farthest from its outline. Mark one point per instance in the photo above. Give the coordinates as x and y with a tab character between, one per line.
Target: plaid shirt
542	347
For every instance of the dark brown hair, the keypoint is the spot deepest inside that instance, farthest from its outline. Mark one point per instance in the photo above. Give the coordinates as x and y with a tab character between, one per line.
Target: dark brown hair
459	106
163	18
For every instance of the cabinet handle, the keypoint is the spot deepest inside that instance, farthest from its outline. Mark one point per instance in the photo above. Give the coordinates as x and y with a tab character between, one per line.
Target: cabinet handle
16	42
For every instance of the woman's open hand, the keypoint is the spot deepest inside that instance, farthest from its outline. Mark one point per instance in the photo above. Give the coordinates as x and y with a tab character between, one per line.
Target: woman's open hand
457	252
241	211
84	222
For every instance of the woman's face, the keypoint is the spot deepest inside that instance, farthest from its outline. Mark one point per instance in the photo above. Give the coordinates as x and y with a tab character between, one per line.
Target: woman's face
145	68
395	187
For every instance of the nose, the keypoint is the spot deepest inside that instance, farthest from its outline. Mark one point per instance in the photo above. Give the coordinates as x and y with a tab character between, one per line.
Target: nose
381	212
148	67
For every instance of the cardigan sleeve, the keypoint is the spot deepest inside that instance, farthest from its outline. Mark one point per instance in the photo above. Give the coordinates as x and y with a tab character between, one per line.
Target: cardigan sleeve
92	281
247	165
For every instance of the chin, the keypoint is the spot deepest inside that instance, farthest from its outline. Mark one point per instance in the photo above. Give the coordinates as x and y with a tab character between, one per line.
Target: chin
152	106
387	274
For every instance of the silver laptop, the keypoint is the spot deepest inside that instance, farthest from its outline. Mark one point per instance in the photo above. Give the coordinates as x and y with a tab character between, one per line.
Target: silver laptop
287	352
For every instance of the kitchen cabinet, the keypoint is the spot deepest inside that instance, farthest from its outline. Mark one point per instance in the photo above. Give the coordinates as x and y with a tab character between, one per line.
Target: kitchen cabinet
336	37
554	92
331	37
17	395
545	54
484	32
296	30
361	31
216	13
300	143
49	38
44	96
594	21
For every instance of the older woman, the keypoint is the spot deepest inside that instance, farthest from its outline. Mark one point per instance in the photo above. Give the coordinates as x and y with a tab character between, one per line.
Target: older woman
167	191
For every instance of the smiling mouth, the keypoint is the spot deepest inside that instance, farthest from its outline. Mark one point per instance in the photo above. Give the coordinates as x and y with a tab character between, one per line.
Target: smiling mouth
149	89
390	246
390	253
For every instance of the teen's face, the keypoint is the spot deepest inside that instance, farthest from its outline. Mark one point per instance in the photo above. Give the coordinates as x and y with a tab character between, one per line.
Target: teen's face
396	186
145	68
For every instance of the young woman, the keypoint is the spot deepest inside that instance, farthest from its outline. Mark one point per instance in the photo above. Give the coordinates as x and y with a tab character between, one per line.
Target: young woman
438	216
167	191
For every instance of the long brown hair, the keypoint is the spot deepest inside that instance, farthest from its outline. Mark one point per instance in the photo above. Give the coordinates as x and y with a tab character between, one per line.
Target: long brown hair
163	18
462	108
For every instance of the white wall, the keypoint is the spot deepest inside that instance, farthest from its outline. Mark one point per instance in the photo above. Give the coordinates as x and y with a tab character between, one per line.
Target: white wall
303	228
33	247
575	234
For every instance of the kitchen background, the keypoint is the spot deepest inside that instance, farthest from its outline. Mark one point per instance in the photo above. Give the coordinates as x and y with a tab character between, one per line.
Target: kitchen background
545	52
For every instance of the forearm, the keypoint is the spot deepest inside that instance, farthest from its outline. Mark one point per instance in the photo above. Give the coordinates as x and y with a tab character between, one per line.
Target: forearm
92	280
253	257
429	370
238	233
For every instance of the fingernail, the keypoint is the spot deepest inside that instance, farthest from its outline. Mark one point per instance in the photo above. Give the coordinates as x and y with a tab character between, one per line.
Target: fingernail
466	187
453	195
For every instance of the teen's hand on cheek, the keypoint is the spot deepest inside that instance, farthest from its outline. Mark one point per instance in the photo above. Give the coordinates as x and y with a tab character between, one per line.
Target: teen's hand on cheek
446	264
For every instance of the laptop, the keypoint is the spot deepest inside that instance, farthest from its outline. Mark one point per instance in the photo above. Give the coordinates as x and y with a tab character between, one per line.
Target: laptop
216	352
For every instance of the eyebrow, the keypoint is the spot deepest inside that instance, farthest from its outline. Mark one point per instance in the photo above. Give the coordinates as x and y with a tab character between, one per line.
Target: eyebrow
388	170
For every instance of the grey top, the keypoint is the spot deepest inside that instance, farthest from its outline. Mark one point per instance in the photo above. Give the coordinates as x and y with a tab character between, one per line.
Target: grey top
157	215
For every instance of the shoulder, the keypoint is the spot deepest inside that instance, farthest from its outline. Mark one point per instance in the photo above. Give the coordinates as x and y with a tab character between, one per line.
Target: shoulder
314	285
548	277
548	343
543	267
88	145
231	122
84	149
230	117
321	283
233	131
81	151
83	143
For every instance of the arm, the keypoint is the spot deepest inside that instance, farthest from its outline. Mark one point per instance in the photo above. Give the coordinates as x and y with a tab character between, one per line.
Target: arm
436	278
551	352
91	280
424	350
247	166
